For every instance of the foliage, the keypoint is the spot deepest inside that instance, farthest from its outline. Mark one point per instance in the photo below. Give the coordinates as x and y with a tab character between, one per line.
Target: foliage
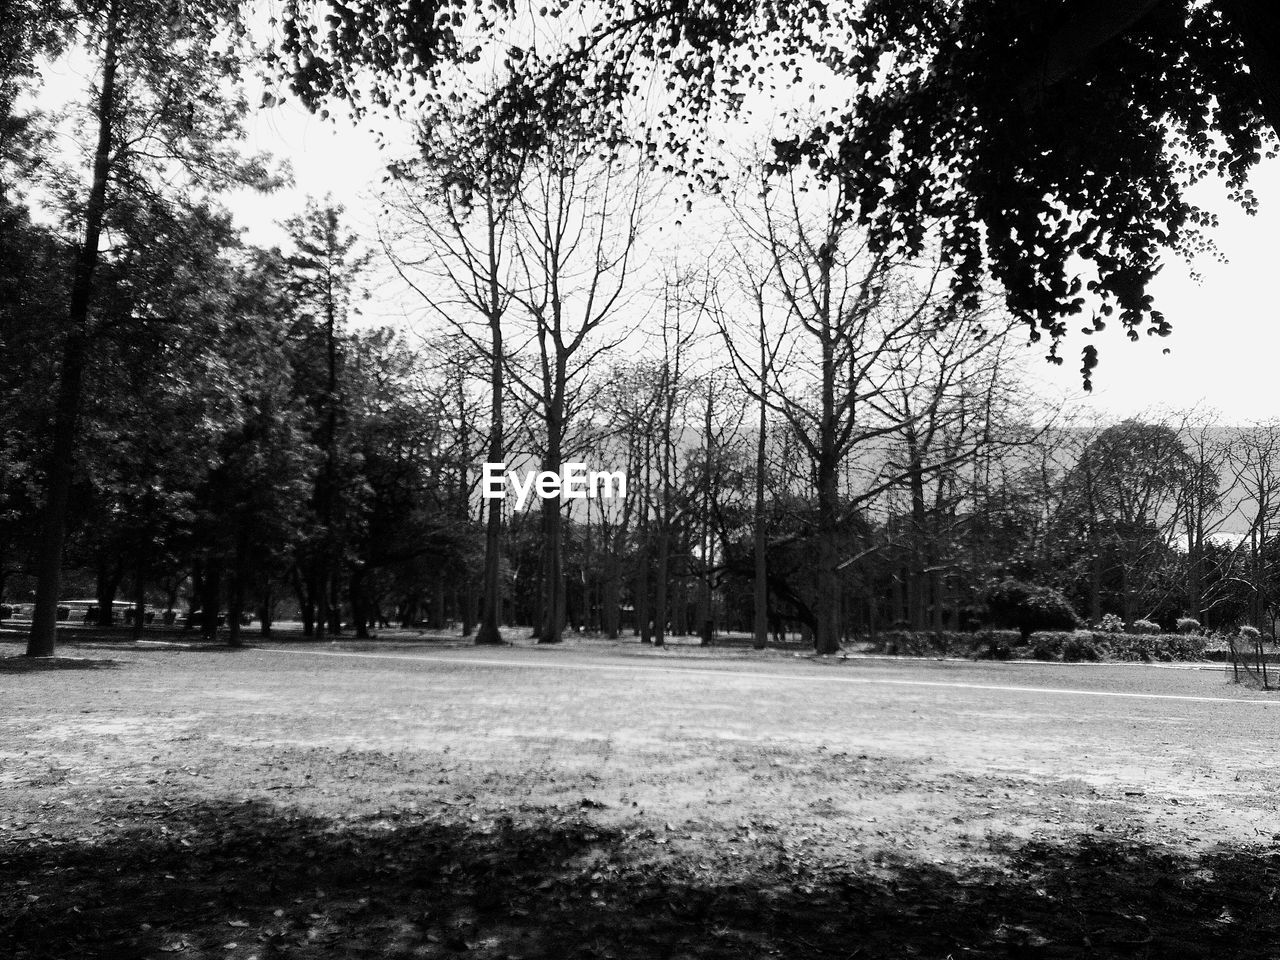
1084	645
1110	623
1188	625
1027	608
1044	147
1144	626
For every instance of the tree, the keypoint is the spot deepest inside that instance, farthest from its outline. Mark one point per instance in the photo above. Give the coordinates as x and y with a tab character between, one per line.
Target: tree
1124	491
1202	500
325	266
848	318
162	121
1045	145
1255	462
455	250
1026	608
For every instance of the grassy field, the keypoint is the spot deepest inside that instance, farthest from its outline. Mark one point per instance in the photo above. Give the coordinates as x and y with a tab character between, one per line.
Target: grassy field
606	800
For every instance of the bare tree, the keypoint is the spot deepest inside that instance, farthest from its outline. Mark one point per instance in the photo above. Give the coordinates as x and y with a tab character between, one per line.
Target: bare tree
578	220
454	248
850	314
1202	498
951	396
1255	462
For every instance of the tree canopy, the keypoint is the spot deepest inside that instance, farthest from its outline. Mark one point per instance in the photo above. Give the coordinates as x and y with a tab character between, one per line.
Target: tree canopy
1044	144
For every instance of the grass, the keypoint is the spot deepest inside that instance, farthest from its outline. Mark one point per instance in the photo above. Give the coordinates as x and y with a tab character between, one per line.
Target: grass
628	803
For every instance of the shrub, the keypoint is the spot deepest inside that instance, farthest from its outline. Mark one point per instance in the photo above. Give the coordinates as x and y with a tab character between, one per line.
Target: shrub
1188	625
1027	608
1055	645
1165	647
928	643
1092	647
1048	646
1250	634
1145	626
1110	623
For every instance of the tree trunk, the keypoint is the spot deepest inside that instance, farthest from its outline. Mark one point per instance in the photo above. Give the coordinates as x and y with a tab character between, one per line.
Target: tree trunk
265	611
760	600
661	566
553	585
210	597
306	604
826	638
610	615
467	603
139	593
491	607
235	591
108	584
61	464
359	609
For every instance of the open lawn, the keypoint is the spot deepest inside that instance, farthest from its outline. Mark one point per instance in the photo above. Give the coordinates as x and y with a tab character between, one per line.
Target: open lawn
607	800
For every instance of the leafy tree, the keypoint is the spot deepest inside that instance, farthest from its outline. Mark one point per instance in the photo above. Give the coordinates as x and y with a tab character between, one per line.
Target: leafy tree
325	266
1026	608
1121	509
162	121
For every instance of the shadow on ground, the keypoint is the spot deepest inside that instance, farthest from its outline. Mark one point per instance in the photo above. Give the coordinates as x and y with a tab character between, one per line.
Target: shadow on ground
240	880
22	664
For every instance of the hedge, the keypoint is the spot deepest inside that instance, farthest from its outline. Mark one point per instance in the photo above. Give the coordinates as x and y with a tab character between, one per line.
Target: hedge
1061	646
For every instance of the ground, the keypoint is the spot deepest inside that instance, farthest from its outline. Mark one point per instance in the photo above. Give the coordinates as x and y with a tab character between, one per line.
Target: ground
606	800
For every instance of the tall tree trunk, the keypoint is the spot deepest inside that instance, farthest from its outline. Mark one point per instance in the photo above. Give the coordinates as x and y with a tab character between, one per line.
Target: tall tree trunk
265	611
826	638
61	465
553	585
210	597
306	603
610	615
760	598
334	599
359	608
139	592
235	589
661	574
491	607
320	598
437	605
468	603
108	584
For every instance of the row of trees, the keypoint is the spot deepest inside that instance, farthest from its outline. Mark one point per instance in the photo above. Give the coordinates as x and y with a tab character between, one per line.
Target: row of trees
820	427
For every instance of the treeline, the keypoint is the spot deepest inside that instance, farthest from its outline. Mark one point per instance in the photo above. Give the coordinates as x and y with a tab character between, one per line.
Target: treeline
818	435
237	444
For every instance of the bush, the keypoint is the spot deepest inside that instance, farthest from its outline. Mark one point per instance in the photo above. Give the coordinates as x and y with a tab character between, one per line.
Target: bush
1027	608
1145	626
1048	645
1110	623
1165	647
1055	645
989	644
1188	625
1250	634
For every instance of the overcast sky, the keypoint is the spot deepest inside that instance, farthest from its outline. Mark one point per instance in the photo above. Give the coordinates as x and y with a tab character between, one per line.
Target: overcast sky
1222	352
